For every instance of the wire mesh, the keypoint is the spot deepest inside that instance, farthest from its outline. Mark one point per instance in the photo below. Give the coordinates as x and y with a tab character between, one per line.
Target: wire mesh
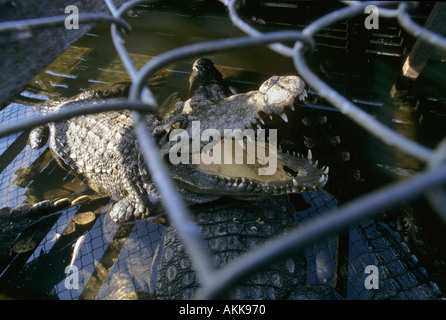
133	269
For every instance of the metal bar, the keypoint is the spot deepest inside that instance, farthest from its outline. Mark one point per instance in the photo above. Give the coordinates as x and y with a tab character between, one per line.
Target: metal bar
421	51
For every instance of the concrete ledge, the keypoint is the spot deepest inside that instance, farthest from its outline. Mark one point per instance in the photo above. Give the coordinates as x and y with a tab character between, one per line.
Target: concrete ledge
24	54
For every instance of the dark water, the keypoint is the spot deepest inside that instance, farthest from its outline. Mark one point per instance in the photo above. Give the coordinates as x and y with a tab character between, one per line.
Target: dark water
361	70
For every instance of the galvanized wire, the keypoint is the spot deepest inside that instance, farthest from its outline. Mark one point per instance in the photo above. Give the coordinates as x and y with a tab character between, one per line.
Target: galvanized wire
215	282
87	108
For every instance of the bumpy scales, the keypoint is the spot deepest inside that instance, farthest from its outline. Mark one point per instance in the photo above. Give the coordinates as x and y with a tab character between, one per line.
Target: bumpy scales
104	149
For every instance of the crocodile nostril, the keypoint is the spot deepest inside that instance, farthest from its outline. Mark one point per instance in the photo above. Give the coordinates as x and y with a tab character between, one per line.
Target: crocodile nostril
290	171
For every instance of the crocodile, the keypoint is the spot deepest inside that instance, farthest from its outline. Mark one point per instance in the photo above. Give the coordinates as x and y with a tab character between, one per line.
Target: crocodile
229	224
104	149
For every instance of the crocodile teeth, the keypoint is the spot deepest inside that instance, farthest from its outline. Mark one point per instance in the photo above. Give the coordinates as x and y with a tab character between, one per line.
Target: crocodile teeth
258	126
325	170
271	117
284	117
310	155
295	182
322	179
261	121
257	189
250	187
292	108
242	184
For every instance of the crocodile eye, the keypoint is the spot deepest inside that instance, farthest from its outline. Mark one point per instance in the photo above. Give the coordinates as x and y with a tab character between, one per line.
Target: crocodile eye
176	125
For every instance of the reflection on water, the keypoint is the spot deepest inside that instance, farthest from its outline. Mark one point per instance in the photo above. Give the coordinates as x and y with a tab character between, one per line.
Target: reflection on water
117	261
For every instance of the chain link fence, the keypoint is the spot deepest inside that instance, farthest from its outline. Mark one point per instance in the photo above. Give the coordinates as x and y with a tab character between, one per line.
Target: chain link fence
134	258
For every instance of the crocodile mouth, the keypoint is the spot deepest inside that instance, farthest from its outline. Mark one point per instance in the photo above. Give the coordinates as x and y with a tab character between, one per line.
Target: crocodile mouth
293	174
271	171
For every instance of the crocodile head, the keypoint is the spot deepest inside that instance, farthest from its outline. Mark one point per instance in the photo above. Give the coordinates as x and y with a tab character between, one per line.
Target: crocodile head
196	135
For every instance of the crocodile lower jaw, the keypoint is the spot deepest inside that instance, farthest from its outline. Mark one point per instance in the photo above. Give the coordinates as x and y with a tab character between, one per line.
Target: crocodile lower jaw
244	178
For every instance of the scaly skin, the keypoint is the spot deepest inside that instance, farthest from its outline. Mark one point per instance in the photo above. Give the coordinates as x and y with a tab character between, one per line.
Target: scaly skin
103	147
113	166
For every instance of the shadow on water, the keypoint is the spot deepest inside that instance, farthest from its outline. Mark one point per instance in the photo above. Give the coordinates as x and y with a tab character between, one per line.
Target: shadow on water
117	262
